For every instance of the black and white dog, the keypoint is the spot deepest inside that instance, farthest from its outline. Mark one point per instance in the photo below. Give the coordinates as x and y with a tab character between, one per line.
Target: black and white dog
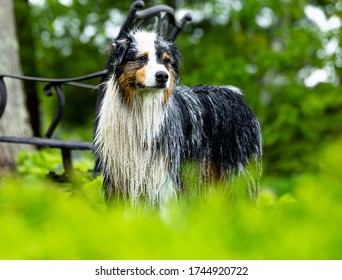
148	125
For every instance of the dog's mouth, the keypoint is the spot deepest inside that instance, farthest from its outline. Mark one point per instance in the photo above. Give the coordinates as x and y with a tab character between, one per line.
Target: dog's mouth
157	86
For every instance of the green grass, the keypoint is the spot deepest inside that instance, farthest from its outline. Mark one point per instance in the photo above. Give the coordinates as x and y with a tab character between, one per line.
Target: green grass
40	219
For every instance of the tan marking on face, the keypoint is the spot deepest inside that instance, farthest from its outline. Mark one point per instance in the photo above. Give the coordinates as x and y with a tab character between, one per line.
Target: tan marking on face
140	76
165	56
132	75
126	87
169	90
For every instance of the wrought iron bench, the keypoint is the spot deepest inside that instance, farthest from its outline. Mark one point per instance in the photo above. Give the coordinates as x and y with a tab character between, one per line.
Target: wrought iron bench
160	18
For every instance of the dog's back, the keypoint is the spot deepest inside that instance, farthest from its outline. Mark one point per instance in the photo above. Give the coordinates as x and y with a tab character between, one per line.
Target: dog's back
223	129
215	126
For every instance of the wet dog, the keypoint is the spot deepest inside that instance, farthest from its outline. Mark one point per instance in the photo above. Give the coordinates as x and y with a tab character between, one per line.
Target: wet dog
149	125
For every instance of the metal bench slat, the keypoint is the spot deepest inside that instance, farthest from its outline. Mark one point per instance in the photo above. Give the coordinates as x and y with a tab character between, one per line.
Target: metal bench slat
47	142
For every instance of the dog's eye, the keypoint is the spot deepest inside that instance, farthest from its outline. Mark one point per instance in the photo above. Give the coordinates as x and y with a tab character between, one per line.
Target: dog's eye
142	58
167	60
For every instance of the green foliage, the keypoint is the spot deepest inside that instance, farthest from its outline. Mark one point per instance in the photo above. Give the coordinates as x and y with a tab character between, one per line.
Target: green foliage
40	163
43	220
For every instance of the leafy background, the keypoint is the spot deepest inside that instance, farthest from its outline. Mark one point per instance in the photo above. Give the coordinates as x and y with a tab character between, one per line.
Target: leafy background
288	65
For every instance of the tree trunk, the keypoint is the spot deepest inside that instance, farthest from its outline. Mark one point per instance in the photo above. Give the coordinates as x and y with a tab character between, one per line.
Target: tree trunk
28	62
15	121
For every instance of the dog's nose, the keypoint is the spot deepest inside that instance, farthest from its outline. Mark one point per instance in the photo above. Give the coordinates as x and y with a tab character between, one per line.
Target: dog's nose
162	77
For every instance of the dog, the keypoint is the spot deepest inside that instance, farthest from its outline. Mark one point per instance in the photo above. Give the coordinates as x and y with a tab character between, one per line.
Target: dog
149	125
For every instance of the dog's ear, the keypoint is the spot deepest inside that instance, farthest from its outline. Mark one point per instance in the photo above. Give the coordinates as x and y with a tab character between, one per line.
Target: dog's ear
119	48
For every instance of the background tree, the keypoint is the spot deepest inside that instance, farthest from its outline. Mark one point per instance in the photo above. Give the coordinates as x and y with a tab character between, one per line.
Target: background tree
28	62
15	119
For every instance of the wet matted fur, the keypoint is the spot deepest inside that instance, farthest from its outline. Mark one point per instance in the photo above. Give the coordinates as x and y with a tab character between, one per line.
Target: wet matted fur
148	125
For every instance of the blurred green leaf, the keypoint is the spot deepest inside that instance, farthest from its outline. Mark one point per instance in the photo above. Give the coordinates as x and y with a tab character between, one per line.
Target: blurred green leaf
41	220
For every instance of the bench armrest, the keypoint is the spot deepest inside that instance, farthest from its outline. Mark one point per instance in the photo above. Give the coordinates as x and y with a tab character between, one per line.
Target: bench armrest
51	86
161	18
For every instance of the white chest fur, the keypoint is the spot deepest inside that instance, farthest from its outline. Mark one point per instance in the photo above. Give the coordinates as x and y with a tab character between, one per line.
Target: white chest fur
124	141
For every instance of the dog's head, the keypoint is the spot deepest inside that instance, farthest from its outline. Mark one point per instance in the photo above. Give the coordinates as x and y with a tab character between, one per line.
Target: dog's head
143	61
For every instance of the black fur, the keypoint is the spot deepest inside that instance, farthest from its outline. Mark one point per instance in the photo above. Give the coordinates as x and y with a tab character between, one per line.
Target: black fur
213	124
